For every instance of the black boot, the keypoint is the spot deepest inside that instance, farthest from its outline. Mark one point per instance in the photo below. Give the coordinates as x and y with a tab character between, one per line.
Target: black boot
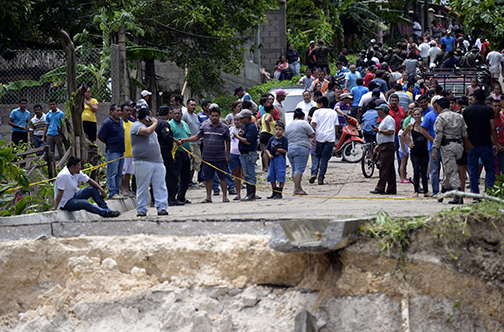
250	193
457	199
278	194
273	193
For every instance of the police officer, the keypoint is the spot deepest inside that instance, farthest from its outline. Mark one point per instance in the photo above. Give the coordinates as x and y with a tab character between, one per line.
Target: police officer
450	130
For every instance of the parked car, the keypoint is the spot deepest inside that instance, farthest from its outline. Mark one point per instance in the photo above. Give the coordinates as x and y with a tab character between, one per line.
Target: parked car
295	95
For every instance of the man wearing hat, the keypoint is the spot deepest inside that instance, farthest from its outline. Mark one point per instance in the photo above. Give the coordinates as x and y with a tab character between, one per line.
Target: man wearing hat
321	55
248	151
142	102
385	134
448	40
310	59
280	97
344	106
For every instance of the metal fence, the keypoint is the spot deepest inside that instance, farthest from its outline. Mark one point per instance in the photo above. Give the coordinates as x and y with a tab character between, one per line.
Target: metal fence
40	75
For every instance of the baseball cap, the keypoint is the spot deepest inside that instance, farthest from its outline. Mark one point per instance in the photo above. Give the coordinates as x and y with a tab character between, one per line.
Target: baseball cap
373	40
130	102
312	42
383	107
238	89
435	99
346	95
281	92
433	43
145	93
244	114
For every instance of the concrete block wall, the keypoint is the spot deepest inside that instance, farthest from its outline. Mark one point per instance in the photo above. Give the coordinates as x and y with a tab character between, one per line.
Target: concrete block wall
273	37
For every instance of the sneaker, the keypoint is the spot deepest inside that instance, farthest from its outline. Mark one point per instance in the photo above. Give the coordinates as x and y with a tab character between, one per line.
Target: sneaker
162	212
232	192
312	179
141	214
404	181
175	203
216	193
112	214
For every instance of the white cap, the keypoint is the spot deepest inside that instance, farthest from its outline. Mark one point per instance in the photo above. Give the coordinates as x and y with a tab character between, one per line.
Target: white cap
145	93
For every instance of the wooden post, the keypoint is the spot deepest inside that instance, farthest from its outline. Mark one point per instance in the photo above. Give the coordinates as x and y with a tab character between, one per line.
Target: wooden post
123	66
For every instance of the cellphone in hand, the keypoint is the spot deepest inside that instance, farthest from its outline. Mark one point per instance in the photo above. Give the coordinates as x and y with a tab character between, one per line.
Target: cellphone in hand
148	119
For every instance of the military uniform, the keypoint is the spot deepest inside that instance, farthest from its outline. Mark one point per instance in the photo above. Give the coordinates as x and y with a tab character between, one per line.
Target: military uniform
450	130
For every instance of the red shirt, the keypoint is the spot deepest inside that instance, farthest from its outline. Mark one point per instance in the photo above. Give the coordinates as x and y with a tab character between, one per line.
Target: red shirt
398	116
368	78
499	126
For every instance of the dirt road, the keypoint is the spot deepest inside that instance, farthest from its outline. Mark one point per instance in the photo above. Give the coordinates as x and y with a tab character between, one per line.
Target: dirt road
345	194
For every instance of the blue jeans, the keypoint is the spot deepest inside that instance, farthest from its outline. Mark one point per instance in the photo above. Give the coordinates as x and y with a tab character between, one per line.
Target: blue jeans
80	202
37	141
323	153
248	161
114	172
434	171
298	157
182	168
295	67
148	172
486	155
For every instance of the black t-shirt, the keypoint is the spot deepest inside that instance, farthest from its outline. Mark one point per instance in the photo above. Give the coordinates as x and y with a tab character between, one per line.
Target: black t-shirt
250	133
477	118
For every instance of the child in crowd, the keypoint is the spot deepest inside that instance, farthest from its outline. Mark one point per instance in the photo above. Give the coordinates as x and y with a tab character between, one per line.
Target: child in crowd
473	87
276	150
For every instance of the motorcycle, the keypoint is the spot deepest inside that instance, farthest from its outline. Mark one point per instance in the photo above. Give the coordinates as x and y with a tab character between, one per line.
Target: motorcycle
350	146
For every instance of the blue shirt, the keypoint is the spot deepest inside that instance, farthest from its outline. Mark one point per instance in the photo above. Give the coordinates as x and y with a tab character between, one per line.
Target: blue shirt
448	42
369	119
202	117
250	133
428	110
428	123
54	122
19	118
383	86
352	79
358	92
113	134
246	96
275	143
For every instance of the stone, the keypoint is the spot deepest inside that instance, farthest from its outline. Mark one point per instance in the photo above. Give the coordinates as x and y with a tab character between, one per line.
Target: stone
109	264
138	273
305	322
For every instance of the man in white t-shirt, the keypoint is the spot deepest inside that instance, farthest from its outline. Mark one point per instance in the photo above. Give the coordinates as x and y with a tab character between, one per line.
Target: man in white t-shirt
423	47
325	123
494	61
67	197
306	104
385	135
433	53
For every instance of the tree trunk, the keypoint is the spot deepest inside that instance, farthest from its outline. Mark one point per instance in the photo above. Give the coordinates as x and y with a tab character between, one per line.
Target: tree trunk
75	126
150	82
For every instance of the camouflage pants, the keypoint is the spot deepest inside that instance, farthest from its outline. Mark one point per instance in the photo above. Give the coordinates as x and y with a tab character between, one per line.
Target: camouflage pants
449	155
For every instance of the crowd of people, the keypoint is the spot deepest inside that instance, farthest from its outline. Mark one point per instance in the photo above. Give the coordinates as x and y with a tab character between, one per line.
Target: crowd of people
409	119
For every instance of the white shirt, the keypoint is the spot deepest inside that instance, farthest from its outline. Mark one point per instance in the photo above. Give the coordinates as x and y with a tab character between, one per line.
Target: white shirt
306	107
434	51
478	43
69	184
326	120
424	49
369	95
494	59
416	27
388	123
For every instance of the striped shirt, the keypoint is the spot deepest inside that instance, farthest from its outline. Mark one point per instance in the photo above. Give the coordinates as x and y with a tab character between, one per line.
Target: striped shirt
214	138
38	125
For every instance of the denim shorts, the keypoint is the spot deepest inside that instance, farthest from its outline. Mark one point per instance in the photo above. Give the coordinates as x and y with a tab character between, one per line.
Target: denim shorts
298	157
208	172
234	162
276	171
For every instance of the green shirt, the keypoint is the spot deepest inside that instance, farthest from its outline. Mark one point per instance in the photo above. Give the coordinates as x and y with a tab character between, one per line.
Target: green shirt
179	132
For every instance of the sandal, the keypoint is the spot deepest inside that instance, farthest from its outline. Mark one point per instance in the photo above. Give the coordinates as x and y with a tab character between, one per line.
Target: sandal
301	193
225	200
415	195
237	198
206	200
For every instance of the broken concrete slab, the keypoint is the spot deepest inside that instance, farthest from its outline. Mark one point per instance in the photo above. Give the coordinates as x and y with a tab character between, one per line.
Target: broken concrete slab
300	235
305	322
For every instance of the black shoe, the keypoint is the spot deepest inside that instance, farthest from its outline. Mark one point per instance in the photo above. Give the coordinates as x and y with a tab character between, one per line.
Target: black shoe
112	214
279	193
320	182
251	196
163	212
216	193
141	214
390	193
376	192
175	203
273	193
232	192
456	200
312	179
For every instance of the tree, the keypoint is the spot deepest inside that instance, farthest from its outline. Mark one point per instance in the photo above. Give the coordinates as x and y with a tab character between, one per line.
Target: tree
487	15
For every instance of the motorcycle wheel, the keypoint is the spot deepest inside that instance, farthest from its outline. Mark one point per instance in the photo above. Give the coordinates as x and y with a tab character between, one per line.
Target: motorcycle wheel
367	163
353	152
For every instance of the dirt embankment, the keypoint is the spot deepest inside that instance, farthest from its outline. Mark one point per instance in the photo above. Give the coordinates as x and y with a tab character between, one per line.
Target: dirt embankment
237	283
